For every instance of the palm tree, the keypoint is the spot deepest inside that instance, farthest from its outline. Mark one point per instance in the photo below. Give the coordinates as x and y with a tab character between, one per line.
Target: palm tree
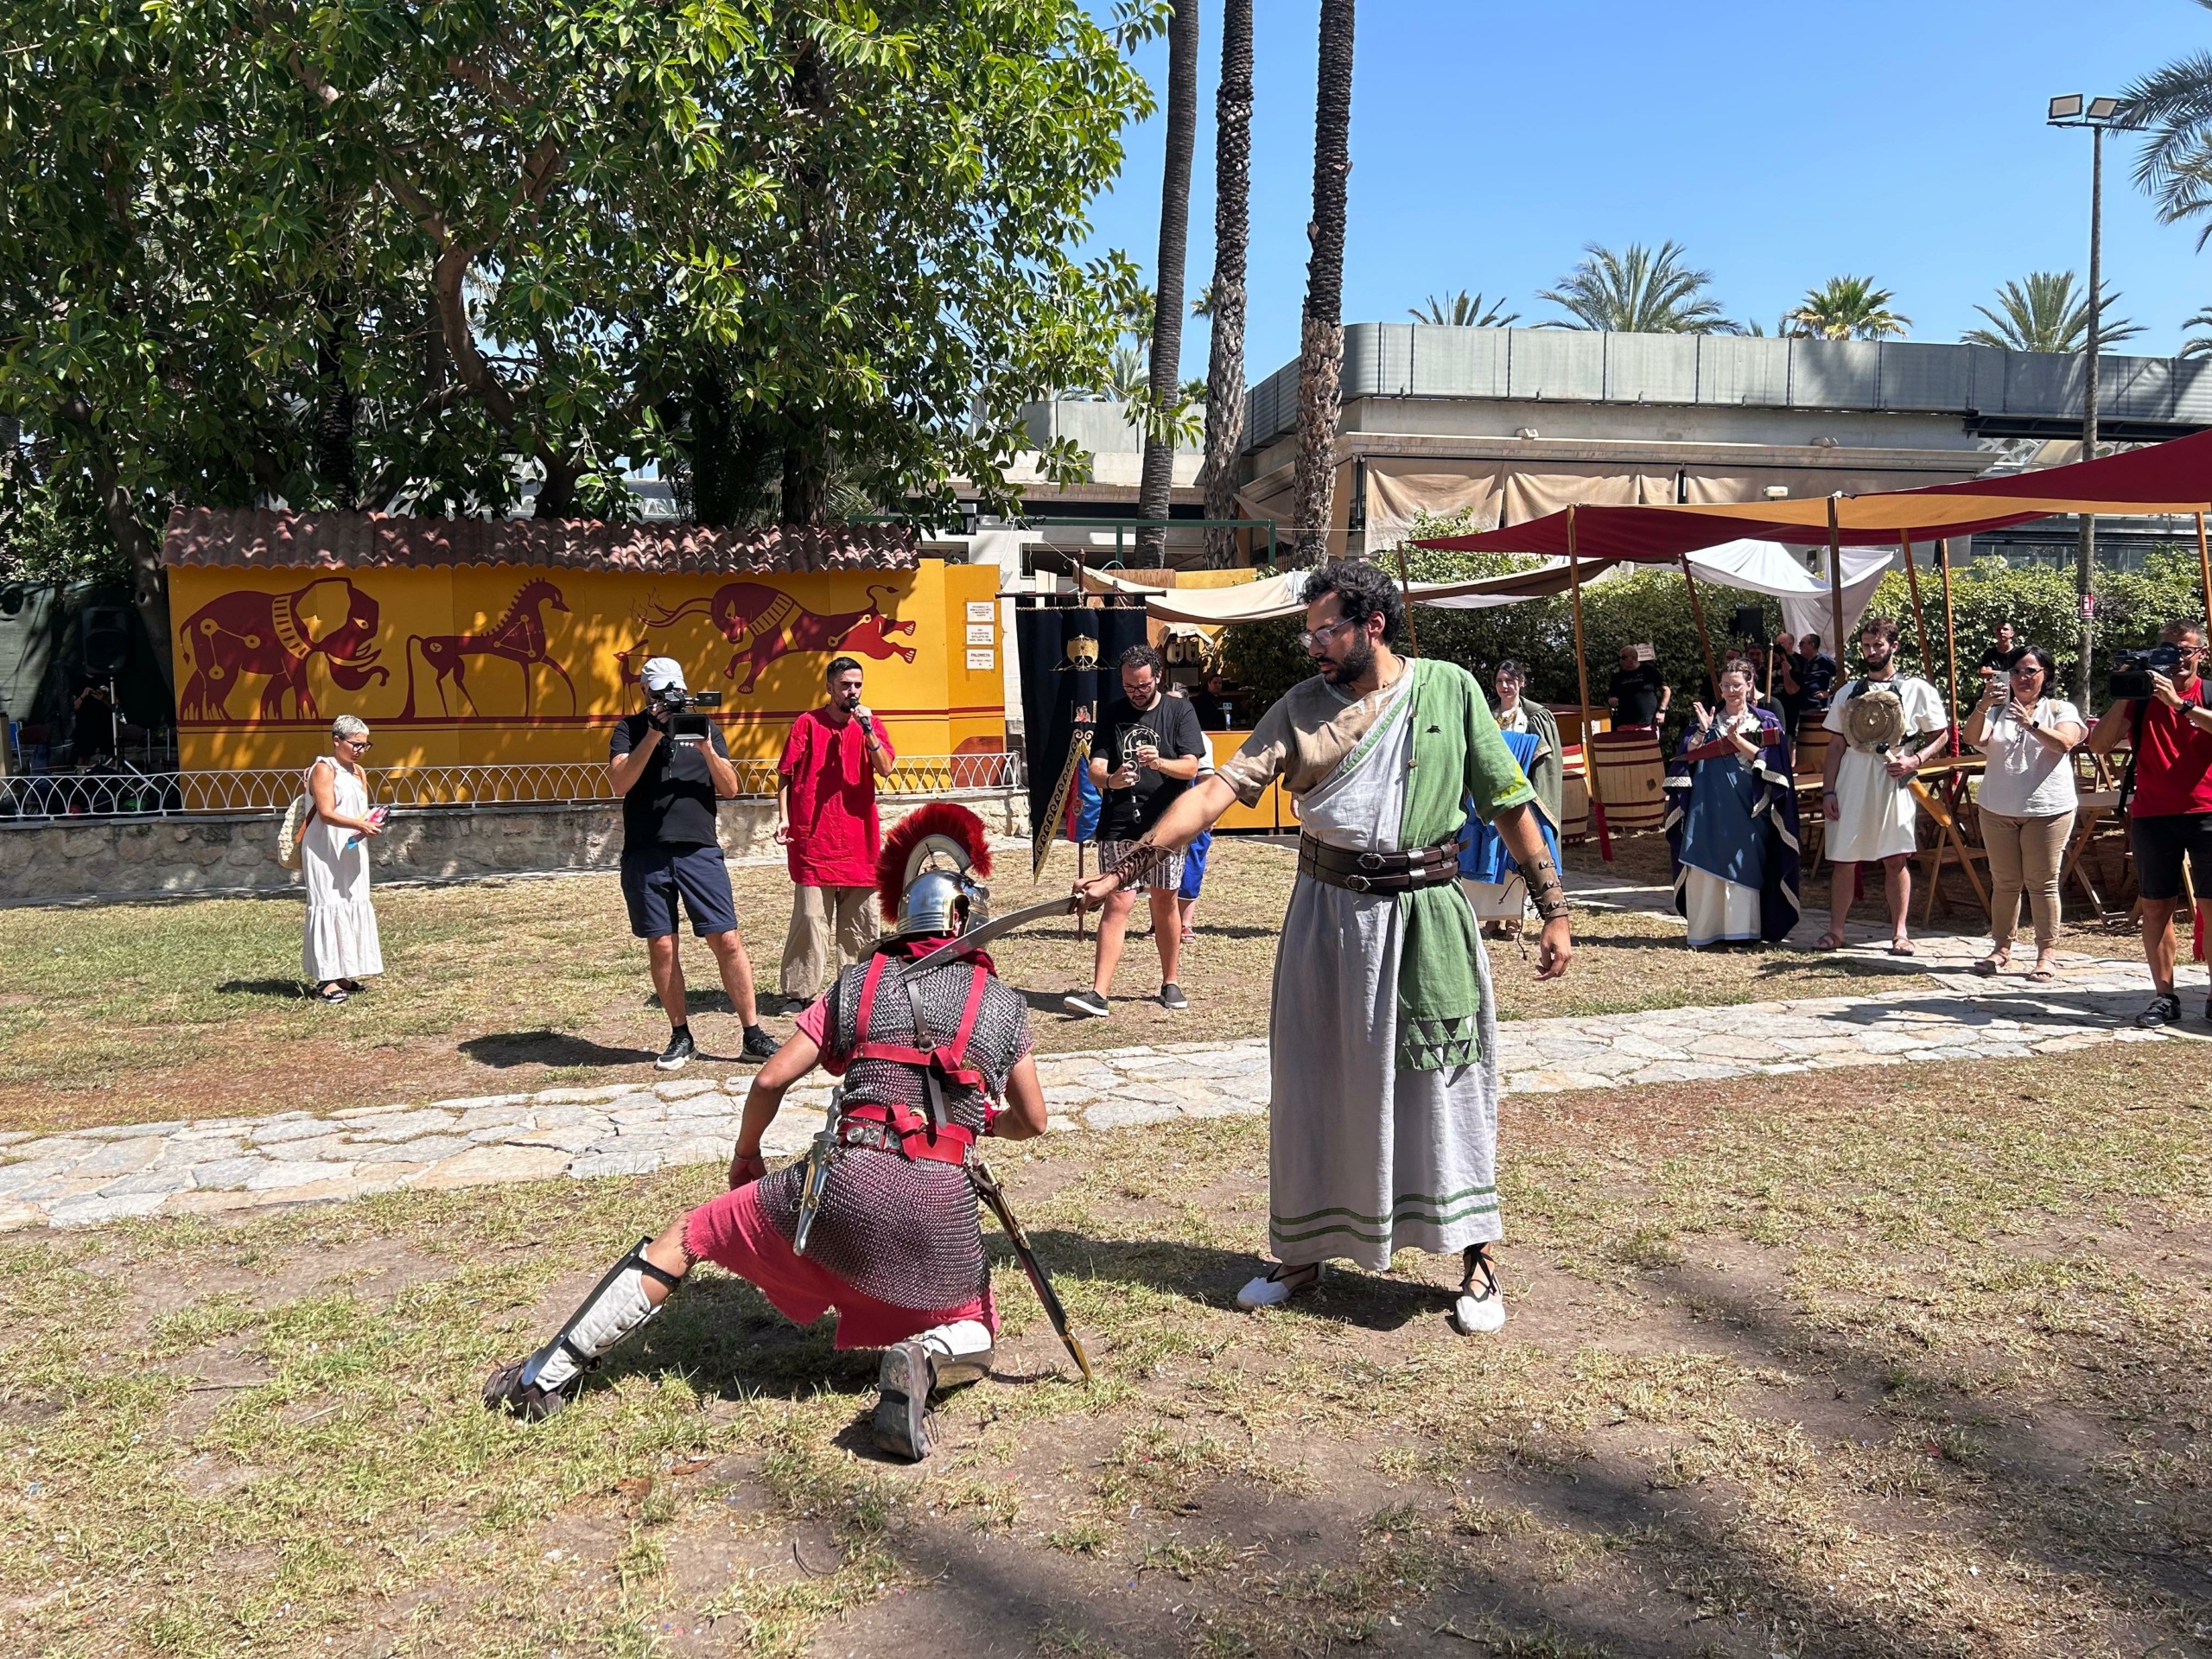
2042	313
1128	377
1464	310
1848	308
2197	345
1156	483
2175	101
1223	299
1638	292
1321	329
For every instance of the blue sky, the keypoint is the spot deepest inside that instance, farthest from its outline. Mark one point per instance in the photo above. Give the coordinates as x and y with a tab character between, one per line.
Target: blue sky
1782	144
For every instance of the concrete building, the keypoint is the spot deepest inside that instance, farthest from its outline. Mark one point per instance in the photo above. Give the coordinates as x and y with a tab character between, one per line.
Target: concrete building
1503	425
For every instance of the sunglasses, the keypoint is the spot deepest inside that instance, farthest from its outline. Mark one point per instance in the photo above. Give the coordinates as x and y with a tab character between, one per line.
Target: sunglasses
359	743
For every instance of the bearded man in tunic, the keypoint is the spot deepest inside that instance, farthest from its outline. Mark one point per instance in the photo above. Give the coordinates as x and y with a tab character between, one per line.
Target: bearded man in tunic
1885	725
1383	1036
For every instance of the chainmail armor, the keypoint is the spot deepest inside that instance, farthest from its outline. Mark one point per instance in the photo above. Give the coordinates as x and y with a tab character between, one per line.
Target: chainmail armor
905	1231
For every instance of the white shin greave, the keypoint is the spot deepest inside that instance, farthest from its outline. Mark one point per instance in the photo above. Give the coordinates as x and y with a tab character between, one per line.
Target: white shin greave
617	1307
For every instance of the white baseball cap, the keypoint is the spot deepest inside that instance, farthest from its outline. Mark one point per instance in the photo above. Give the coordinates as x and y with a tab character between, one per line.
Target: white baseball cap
662	674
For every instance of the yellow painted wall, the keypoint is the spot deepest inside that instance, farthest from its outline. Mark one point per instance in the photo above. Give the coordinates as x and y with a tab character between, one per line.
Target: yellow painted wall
374	642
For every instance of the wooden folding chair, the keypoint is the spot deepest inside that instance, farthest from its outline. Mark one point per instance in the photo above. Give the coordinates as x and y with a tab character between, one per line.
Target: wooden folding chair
1949	841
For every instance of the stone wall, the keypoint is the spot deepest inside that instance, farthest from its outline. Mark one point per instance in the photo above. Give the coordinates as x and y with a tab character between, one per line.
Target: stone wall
140	858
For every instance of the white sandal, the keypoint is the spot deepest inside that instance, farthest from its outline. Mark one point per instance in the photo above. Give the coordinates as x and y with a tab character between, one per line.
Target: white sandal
1479	1312
1280	1283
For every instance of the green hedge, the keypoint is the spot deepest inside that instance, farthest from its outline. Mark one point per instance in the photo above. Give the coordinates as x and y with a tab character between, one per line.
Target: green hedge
1653	607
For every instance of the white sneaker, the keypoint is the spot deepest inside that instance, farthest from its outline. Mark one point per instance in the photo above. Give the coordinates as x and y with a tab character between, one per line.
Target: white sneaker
1277	1286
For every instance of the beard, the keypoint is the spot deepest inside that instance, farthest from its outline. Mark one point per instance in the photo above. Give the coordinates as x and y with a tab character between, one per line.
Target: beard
1357	659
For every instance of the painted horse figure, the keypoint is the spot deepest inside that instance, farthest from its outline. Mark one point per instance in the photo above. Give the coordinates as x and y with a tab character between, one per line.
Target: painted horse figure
764	623
278	635
519	636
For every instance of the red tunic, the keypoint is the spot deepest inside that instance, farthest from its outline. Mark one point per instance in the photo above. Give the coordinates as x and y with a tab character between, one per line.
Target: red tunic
835	836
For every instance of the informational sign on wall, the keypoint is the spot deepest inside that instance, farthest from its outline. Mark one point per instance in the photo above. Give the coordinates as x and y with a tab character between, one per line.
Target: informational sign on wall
476	664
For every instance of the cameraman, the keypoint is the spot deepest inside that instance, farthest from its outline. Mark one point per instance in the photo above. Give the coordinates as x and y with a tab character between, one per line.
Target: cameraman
669	792
2169	803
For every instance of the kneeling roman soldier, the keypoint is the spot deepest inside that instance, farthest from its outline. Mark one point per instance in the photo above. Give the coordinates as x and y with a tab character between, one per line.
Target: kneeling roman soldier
880	1223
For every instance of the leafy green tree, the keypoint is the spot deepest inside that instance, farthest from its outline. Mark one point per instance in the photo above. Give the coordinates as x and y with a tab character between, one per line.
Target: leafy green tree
1848	308
1464	310
412	257
2041	312
1641	291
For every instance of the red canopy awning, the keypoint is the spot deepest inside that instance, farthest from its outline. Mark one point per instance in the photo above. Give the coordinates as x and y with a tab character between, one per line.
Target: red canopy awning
2165	477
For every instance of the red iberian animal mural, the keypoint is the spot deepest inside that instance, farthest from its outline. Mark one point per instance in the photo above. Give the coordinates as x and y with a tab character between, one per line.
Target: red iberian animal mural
519	636
764	623
276	635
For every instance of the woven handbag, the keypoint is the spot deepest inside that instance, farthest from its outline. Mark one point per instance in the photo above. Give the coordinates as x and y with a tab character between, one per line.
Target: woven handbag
297	816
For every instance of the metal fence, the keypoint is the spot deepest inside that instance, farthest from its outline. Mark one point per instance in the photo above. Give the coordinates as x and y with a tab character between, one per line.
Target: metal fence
43	797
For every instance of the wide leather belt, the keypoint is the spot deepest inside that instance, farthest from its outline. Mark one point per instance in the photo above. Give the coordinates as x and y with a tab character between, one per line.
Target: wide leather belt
1340	866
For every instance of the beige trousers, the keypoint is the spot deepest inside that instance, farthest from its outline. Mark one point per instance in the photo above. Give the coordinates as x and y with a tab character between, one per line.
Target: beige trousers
2024	854
816	914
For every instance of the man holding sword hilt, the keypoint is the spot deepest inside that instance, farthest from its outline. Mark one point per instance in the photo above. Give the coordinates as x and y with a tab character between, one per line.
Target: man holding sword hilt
1382	1035
933	1051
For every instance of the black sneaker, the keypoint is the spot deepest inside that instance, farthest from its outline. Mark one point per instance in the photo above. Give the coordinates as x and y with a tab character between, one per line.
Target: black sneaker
758	1045
2165	1009
1172	997
678	1053
1086	1002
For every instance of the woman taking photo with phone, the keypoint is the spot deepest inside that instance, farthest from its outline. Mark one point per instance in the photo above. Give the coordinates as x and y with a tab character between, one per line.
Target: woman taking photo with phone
2026	800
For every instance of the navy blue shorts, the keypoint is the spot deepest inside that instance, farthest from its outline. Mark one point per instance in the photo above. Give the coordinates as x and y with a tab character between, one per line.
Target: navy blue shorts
652	877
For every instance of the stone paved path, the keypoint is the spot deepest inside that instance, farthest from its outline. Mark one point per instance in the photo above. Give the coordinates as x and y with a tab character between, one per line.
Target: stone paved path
1938	1012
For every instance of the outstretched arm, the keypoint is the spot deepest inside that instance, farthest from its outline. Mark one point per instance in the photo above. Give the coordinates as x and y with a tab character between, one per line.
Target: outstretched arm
762	1102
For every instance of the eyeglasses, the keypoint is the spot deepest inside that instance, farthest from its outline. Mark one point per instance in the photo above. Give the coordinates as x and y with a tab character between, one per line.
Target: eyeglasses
1310	638
360	744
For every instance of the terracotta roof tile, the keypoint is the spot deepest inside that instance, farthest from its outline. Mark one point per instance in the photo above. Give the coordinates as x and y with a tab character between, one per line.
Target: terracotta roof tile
258	540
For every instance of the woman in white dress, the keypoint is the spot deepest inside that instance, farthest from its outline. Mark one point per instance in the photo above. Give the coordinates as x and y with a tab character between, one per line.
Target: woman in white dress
2026	800
341	948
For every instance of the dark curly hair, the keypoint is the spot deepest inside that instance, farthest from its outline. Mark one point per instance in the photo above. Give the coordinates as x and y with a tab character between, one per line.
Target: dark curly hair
1363	590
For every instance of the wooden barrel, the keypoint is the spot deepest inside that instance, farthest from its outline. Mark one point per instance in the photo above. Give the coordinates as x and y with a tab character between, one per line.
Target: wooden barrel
1573	797
1811	751
1629	771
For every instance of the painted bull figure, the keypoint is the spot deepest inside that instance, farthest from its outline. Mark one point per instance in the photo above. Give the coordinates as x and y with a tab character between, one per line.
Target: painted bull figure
764	623
277	635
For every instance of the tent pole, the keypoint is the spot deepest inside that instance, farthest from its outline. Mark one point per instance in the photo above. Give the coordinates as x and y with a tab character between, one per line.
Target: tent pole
1704	638
1582	690
1835	586
1950	637
1406	585
2204	566
1912	580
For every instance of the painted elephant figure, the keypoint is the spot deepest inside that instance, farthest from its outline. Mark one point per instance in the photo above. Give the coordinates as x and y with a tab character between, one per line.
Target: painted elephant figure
277	636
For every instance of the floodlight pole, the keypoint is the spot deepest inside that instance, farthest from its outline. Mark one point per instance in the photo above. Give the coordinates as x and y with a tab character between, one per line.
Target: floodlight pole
2085	557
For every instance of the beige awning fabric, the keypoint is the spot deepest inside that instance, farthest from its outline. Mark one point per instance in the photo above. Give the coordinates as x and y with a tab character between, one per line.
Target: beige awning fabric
1532	493
1399	491
1274	597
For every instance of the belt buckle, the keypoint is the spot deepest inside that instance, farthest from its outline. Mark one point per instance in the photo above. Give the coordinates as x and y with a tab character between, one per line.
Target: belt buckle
1358	883
1372	861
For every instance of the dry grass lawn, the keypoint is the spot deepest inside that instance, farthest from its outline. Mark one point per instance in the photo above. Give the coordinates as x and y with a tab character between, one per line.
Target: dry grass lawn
141	1013
1896	1362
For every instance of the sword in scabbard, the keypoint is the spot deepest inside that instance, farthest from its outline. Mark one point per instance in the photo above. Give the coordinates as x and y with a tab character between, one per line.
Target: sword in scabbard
820	1155
987	1189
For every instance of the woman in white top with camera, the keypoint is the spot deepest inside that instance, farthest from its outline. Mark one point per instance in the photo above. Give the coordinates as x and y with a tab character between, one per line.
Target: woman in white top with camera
2027	800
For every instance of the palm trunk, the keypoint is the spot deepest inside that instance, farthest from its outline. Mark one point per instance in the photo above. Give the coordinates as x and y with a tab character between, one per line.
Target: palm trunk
1321	331
1232	230
1155	489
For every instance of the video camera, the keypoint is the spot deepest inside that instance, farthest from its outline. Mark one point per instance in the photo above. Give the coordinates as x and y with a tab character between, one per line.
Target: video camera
2132	669
684	726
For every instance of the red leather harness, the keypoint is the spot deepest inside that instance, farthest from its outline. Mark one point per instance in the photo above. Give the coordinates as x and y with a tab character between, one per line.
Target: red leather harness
948	1143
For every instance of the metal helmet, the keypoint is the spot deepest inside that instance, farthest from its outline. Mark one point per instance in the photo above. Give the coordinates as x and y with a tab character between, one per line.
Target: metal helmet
935	855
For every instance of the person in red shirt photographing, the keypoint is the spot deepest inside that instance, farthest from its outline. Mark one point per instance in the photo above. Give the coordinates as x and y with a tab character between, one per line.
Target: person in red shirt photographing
826	820
2167	794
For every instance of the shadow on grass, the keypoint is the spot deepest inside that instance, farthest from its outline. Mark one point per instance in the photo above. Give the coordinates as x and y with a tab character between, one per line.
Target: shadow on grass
558	1048
290	989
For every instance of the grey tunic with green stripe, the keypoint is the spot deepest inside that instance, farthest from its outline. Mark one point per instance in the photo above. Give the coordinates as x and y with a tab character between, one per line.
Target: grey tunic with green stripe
1366	1155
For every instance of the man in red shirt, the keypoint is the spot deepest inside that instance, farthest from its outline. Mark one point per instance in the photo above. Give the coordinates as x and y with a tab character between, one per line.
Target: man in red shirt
825	816
2169	814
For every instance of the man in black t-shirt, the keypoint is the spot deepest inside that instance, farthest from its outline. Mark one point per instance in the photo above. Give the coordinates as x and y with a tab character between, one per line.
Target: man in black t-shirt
1149	747
670	789
1638	694
1997	660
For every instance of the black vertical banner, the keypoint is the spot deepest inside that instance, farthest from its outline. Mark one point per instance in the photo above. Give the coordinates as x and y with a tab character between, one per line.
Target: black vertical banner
1069	658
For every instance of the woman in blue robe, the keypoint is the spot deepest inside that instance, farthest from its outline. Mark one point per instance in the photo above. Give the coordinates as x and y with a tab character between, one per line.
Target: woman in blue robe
1732	820
1487	875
